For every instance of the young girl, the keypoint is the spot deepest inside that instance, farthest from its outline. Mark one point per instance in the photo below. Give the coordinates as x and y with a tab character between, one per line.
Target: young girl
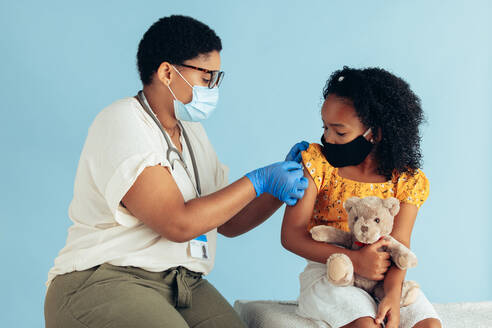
370	147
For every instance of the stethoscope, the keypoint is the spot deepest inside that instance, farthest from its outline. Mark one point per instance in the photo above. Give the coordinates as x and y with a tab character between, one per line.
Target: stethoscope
170	147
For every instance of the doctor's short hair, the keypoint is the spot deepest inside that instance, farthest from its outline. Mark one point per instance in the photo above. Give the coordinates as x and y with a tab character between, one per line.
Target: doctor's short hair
384	101
174	39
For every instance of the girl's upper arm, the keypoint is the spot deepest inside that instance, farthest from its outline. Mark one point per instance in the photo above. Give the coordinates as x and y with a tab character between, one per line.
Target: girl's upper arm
404	222
412	191
298	216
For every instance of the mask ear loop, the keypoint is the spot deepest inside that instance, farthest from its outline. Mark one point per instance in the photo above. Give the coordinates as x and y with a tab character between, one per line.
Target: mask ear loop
176	98
172	92
182	76
366	133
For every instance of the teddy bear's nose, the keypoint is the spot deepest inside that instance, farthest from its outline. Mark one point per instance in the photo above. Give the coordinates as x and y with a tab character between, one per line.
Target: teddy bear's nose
364	228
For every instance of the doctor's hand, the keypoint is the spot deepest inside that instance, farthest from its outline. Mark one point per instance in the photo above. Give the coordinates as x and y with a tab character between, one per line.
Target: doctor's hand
284	180
295	152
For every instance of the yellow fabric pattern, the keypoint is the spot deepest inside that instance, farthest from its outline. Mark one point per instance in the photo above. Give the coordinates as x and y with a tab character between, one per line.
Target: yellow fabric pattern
333	190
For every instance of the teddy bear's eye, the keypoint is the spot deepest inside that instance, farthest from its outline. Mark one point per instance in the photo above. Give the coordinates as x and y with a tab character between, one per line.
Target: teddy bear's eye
377	220
356	218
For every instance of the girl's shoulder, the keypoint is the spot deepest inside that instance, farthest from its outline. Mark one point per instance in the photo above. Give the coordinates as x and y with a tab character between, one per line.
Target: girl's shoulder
314	153
316	164
314	150
411	187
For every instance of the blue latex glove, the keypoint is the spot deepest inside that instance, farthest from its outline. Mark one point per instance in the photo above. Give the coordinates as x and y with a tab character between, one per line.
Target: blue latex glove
284	180
295	152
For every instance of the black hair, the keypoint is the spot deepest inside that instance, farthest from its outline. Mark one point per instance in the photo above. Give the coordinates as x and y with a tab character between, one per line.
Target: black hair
384	101
174	39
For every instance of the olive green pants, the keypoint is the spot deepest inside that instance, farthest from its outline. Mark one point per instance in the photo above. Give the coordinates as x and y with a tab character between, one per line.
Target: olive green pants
111	296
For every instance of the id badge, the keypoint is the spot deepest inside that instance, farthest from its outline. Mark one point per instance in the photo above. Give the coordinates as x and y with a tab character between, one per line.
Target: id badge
199	248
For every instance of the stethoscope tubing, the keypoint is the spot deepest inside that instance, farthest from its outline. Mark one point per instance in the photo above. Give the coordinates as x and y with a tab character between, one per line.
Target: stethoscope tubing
171	149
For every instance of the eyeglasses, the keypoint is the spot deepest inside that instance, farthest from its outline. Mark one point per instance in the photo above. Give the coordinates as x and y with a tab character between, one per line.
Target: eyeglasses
216	77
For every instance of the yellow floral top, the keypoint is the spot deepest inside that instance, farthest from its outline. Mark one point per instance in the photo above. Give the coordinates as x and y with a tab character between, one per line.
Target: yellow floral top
333	190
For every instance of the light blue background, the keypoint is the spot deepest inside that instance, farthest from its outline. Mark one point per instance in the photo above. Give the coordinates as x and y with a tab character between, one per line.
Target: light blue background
62	63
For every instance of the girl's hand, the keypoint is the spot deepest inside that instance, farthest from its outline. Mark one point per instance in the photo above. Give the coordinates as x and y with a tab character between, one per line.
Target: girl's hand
371	263
389	308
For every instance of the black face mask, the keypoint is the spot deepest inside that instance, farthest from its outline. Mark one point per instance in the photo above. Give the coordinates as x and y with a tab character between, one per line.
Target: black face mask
348	154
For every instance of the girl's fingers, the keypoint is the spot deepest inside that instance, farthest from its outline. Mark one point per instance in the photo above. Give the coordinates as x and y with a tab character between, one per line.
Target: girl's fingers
384	255
382	310
379	277
381	243
383	267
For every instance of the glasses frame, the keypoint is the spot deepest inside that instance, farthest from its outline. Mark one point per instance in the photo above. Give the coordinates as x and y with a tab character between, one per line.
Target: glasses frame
216	77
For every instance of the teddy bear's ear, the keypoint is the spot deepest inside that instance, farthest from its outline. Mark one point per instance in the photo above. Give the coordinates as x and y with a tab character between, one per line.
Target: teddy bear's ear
392	204
351	202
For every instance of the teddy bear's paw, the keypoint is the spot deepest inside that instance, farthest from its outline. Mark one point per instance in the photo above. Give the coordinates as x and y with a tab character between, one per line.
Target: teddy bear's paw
409	293
412	261
406	261
339	270
318	233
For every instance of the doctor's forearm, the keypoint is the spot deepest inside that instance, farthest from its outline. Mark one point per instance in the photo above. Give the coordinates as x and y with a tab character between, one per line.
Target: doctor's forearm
203	214
254	214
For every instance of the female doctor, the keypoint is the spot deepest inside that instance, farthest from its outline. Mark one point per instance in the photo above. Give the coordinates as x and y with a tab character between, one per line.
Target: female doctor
150	196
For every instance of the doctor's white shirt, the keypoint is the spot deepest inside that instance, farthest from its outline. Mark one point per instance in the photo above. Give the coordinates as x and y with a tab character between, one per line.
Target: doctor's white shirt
122	141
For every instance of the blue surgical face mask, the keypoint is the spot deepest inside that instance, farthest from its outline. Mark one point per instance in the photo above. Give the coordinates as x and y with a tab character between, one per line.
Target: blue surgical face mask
201	106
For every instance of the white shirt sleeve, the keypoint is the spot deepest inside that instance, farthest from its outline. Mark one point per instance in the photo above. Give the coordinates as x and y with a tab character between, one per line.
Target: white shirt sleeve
221	175
221	171
121	145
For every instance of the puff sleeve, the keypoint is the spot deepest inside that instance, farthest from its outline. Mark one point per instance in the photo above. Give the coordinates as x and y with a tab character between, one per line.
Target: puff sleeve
316	164
412	189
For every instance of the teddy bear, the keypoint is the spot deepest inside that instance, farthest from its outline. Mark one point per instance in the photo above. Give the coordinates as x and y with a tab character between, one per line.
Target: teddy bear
369	219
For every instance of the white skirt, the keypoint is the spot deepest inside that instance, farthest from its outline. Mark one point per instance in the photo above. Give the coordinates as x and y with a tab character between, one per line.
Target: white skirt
332	306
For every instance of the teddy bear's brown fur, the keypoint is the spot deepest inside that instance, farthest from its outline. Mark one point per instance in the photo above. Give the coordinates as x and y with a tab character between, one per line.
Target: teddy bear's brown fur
369	219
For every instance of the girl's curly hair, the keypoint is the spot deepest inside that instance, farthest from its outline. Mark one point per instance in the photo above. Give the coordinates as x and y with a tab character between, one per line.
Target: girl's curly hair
384	101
